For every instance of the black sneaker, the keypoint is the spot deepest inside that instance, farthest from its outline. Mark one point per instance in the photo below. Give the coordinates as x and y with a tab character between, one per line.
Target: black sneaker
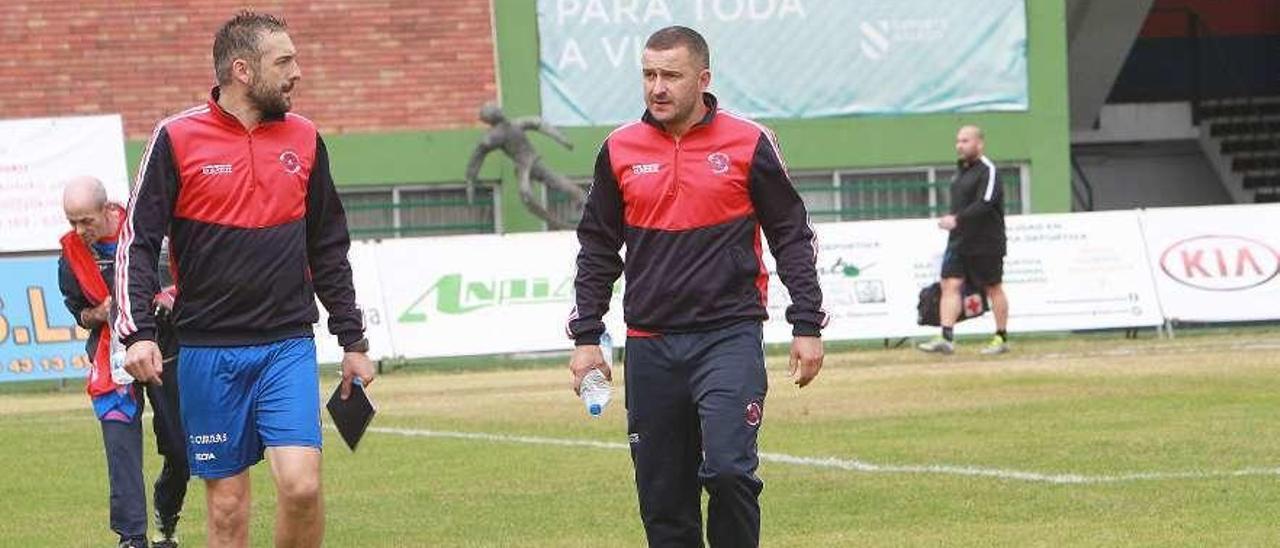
167	542
132	543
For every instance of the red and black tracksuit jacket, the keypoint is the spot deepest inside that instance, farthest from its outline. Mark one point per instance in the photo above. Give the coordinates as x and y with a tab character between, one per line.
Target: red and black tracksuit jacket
256	232
690	213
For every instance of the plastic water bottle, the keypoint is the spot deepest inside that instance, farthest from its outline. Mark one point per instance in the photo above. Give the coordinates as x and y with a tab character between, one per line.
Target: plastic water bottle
595	389
606	348
118	374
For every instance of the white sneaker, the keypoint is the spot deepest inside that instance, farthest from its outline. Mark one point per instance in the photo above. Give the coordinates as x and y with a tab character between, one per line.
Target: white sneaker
938	345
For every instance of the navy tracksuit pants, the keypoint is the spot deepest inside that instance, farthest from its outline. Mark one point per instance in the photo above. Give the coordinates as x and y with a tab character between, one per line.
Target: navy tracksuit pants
123	444
695	402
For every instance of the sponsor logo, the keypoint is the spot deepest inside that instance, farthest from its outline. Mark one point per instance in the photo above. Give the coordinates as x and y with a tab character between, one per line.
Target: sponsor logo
216	169
207	439
755	414
633	437
202	457
719	162
875	42
869	291
641	169
878	38
455	295
1220	262
289	159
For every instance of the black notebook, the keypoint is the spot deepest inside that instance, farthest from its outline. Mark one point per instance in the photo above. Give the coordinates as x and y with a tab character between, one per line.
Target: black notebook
352	415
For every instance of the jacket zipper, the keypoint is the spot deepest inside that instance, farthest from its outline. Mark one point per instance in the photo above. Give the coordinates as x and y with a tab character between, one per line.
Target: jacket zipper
253	176
675	171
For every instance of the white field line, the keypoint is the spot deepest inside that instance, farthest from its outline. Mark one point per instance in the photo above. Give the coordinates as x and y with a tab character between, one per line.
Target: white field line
855	465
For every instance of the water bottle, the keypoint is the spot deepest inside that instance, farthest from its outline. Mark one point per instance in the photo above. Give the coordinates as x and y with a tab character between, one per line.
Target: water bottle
118	374
595	389
606	348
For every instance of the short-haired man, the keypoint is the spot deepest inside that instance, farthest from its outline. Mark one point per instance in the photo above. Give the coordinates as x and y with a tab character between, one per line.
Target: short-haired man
688	189
976	243
243	190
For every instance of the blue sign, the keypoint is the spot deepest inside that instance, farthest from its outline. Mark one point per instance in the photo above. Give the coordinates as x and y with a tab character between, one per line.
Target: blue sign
790	58
38	337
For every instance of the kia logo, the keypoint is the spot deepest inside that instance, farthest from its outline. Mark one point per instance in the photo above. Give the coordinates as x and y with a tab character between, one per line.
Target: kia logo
1220	263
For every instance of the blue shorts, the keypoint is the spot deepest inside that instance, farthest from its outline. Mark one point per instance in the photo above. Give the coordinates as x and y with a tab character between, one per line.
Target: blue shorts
238	400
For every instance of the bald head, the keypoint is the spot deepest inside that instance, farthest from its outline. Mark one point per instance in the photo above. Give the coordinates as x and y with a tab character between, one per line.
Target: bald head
970	143
84	200
83	193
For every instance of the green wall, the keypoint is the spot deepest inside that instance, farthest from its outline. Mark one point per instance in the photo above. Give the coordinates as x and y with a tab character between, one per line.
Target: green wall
1039	136
373	159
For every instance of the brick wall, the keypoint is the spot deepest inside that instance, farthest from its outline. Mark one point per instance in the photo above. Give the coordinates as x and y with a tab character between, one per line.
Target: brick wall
367	65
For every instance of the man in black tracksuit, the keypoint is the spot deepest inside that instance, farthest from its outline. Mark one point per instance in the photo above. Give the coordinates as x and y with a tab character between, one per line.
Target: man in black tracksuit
688	190
976	244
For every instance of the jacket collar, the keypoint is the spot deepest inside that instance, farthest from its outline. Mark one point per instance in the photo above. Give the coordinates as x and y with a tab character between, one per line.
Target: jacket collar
708	99
227	117
966	164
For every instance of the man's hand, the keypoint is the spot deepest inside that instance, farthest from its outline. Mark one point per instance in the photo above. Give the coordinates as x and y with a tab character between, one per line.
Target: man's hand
164	299
356	364
806	356
96	316
947	222
584	359
144	362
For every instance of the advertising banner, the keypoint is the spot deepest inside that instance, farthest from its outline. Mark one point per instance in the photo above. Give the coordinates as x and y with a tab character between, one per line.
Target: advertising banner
37	156
790	58
1217	263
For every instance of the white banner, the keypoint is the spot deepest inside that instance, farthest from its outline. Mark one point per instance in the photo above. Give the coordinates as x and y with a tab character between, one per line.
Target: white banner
1216	263
1076	271
871	274
364	270
1063	272
489	294
37	156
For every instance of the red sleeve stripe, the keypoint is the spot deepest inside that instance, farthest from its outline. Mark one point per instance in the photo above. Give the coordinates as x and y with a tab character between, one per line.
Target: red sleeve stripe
125	325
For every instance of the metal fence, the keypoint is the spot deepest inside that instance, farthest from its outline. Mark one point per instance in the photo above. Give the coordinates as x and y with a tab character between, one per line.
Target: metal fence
831	196
848	195
900	194
409	211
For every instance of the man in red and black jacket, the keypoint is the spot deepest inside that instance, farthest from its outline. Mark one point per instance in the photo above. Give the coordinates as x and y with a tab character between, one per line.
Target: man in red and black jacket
257	232
688	189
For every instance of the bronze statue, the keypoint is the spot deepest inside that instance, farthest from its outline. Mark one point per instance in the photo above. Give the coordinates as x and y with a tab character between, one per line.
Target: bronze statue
509	136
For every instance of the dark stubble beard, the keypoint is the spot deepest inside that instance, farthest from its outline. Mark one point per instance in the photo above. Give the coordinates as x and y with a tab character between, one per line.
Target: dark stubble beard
269	101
